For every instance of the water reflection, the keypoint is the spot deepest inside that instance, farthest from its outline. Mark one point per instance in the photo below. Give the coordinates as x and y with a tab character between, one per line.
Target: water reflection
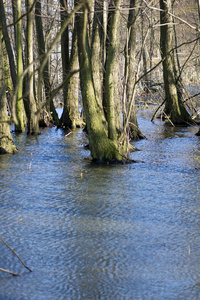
102	232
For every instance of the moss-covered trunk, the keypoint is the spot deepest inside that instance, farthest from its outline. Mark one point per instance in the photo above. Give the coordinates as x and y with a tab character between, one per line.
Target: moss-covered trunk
8	81
101	147
20	111
6	141
174	107
7	44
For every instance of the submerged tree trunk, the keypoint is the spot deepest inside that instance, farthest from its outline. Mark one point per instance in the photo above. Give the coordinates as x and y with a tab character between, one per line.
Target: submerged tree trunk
50	113
130	69
6	141
71	116
20	111
102	148
33	120
174	107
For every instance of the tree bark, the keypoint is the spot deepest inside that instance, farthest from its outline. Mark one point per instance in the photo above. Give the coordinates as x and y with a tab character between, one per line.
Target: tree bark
112	75
101	147
130	69
198	3
6	141
97	51
71	116
20	112
8	80
8	44
45	72
33	120
173	105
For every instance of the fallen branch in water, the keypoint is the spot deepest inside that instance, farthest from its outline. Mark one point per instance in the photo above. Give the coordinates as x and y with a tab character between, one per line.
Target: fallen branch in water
9	272
15	253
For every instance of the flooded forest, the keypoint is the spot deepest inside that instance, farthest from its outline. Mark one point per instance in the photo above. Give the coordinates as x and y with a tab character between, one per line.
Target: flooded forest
99	149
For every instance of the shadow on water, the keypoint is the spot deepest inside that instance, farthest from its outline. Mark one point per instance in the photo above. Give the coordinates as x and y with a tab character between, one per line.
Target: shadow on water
94	231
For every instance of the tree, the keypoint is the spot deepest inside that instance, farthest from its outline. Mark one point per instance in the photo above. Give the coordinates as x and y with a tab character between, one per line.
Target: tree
130	69
71	116
32	114
8	44
20	111
98	48
6	141
103	146
49	111
112	74
174	107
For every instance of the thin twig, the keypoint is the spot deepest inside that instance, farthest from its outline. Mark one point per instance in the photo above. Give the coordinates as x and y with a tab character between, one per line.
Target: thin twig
157	110
168	118
193	96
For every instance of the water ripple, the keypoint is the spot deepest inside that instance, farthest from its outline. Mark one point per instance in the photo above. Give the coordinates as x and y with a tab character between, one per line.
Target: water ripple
102	232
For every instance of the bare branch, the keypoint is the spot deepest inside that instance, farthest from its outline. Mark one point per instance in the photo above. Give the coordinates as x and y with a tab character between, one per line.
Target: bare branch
176	17
22	16
9	272
3	241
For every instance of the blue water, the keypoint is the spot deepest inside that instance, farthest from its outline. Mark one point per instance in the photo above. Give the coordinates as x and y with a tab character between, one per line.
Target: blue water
93	231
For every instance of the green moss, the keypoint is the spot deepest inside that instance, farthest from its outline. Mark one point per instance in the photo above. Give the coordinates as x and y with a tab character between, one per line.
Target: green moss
6	145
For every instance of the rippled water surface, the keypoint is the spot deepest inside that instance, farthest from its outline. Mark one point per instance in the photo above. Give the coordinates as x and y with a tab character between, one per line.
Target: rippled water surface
102	231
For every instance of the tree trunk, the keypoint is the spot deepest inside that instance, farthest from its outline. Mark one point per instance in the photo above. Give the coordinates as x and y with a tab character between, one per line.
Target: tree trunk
14	15
101	147
173	106
130	69
51	112
8	44
97	51
145	54
8	80
33	120
198	3
6	141
71	116
20	112
112	75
